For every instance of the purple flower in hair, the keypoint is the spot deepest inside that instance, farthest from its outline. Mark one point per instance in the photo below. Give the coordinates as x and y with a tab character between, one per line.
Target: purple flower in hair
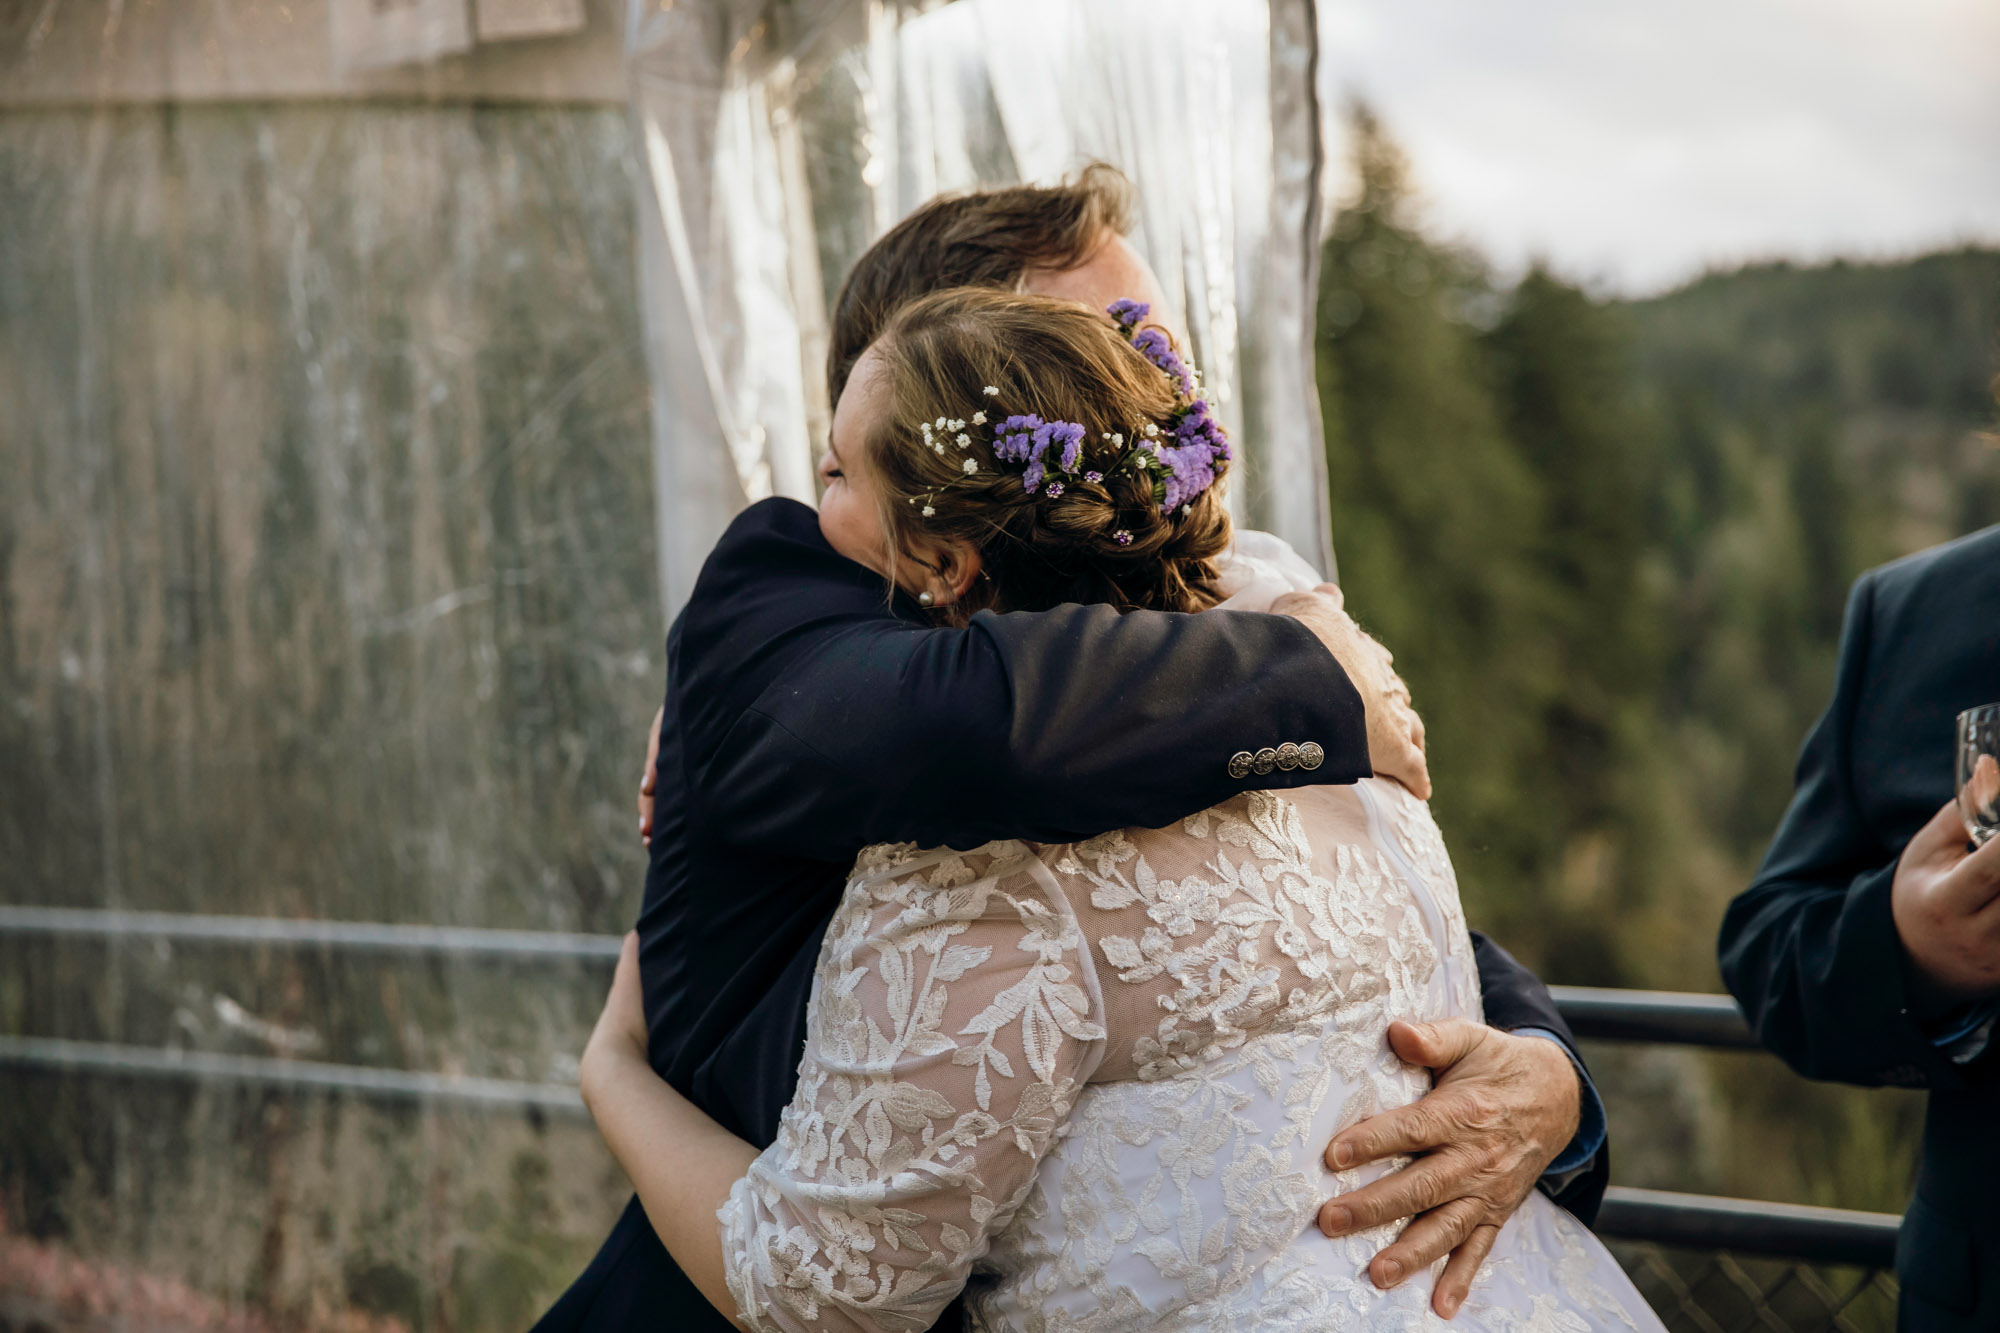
1070	436
1013	439
1055	489
1198	427
1065	437
1128	314
1153	345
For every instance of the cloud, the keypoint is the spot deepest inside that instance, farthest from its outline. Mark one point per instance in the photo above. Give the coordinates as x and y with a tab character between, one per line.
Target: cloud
1635	145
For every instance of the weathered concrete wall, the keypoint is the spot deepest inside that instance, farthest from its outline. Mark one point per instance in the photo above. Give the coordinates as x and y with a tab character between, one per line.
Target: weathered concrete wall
327	589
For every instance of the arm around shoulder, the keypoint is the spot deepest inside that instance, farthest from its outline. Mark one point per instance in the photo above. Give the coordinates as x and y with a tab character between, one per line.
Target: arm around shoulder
1054	725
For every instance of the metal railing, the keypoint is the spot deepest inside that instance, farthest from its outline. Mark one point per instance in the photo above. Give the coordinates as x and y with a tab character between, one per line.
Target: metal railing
1708	1264
365	936
1672	1017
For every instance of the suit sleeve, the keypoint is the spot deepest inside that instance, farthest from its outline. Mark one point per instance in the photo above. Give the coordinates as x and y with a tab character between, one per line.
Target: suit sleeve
1810	950
1514	996
1053	726
1516	1001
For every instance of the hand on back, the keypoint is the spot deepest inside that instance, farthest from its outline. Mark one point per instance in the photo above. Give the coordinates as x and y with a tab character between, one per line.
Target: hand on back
1946	903
1395	732
1503	1107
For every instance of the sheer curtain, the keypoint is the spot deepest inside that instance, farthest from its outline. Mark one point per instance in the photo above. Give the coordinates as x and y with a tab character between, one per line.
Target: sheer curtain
776	141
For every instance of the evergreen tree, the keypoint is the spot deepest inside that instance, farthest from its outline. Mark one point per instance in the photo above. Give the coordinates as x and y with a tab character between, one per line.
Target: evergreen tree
1560	368
1436	515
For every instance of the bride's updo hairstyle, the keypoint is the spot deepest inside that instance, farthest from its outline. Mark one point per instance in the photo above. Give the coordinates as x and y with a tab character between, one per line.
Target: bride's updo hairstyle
1085	520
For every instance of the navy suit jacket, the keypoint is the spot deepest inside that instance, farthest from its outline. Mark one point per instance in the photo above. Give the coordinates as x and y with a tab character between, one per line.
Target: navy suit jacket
809	715
1810	950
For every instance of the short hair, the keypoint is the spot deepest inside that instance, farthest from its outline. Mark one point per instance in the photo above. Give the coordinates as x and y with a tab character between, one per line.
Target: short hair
984	238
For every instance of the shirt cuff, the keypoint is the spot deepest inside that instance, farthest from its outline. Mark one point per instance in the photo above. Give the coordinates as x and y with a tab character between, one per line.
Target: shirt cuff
1591	1125
1964	1036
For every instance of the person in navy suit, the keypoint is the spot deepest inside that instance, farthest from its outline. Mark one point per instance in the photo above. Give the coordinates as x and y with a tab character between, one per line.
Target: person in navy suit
810	713
1868	948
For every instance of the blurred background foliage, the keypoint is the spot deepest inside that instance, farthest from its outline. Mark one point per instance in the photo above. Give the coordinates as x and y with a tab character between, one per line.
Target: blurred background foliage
1610	542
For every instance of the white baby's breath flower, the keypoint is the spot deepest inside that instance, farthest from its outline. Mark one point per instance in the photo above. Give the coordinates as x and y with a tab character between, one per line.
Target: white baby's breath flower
965	441
929	512
1152	429
990	391
971	466
1118	439
978	418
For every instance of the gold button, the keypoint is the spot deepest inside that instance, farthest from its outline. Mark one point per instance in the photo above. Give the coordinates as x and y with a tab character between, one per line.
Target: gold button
1265	761
1288	756
1239	764
1311	755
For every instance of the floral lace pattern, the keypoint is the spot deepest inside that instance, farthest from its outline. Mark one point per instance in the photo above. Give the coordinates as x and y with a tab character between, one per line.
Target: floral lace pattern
1089	1084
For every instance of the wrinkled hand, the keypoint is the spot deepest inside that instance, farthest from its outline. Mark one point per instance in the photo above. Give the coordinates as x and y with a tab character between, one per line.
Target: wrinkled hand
646	781
1502	1109
1946	904
1395	732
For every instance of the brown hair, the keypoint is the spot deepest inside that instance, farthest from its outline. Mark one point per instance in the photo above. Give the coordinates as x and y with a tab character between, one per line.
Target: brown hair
1062	362
991	238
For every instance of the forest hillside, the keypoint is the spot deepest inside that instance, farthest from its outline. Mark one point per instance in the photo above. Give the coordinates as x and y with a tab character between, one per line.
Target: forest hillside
1610	543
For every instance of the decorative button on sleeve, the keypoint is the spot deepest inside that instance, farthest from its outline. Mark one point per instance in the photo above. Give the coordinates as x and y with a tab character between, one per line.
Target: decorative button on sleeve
1291	755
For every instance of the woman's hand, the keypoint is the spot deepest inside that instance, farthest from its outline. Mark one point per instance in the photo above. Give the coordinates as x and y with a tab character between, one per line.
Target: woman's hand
647	779
1395	731
619	1039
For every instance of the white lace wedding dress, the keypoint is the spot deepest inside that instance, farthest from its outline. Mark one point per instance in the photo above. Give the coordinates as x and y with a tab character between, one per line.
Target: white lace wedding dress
1091	1084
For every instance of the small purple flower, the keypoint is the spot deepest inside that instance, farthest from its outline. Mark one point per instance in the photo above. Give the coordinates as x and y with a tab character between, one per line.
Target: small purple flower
1065	434
1154	346
1013	439
1066	437
1128	313
1122	537
1055	489
1093	476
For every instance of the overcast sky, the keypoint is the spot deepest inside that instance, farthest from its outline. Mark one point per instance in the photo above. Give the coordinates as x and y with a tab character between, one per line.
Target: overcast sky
1635	144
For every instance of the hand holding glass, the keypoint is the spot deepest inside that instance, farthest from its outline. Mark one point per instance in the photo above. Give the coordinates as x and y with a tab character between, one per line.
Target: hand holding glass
1979	771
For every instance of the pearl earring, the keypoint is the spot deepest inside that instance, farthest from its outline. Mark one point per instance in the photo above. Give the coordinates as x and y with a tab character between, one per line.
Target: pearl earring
925	599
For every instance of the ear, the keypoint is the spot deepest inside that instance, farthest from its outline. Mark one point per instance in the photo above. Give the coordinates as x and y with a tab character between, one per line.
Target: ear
955	567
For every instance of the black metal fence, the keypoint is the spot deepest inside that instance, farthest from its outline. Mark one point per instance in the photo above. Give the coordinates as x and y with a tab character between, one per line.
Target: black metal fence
1713	1265
1708	1265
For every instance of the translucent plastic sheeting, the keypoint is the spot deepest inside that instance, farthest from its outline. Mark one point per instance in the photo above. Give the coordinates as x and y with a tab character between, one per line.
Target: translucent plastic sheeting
778	140
327	591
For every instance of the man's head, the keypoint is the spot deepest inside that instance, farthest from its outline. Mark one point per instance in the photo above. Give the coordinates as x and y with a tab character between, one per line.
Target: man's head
1062	240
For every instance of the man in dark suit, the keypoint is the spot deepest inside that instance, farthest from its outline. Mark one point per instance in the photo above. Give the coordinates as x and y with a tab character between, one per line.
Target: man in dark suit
809	715
1868	948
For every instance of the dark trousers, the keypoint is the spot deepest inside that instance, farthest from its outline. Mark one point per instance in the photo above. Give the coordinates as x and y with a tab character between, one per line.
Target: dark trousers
1947	1263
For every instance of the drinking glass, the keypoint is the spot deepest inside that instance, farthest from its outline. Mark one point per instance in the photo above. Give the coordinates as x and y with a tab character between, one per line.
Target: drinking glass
1979	771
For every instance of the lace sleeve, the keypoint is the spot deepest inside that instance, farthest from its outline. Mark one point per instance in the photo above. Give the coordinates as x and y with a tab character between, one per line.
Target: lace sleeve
955	1016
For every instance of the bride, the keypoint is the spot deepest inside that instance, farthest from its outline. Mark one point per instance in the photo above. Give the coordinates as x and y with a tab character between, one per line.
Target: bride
1085	1084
